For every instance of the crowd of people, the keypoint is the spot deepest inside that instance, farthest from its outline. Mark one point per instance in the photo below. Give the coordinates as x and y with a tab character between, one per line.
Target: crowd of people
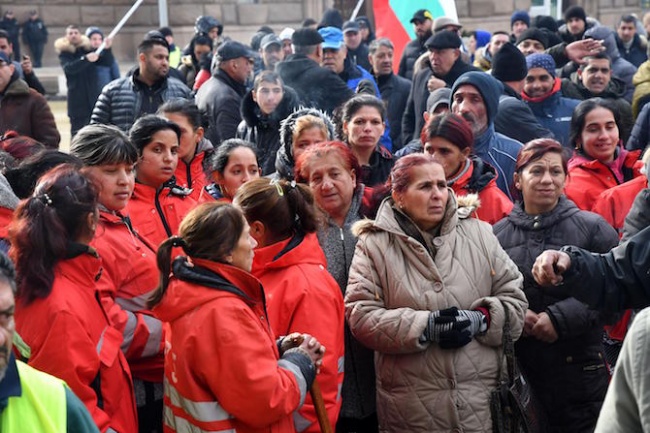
287	234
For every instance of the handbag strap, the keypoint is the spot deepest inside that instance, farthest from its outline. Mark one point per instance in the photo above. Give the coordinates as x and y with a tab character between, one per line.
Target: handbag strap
508	348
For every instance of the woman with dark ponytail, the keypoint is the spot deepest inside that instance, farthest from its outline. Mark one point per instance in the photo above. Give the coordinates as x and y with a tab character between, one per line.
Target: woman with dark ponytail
222	352
58	313
301	295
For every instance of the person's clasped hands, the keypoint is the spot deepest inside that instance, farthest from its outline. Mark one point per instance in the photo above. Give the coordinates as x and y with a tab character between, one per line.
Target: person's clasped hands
452	328
305	344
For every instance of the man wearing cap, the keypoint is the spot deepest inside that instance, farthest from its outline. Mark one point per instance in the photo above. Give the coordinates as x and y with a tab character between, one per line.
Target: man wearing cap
285	38
220	97
35	36
79	61
125	100
24	66
357	49
317	87
105	74
484	56
543	95
576	24
271	51
394	89
423	23
519	23
594	80
174	51
514	117
24	110
445	67
532	41
475	96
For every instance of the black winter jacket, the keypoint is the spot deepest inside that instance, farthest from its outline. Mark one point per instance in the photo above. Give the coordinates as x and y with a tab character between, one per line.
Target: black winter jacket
516	120
395	93
359	56
637	53
219	99
569	375
317	87
639	216
412	51
264	131
121	100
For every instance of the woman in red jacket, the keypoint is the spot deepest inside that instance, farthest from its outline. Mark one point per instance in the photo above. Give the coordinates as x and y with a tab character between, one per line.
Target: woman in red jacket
193	148
158	205
130	274
58	312
301	296
449	138
224	370
599	162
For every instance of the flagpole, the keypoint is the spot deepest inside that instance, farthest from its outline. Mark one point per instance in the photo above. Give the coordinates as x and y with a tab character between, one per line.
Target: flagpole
356	10
119	25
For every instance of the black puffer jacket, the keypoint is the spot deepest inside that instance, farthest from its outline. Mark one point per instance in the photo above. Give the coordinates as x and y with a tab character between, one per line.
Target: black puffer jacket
120	102
317	87
284	162
569	375
264	131
395	93
412	51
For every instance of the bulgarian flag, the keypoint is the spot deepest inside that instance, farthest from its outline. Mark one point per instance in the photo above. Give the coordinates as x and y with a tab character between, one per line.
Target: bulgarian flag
392	19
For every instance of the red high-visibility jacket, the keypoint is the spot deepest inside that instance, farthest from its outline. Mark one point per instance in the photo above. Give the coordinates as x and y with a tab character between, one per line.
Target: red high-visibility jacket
192	175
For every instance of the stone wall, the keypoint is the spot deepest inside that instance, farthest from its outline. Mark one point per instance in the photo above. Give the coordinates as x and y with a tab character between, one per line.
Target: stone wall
241	18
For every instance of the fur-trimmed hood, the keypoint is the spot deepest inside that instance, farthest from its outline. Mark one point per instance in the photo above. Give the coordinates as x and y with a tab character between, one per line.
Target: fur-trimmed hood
284	162
457	208
62	45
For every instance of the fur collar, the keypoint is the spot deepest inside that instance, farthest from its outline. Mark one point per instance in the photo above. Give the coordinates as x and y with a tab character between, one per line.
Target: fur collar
62	45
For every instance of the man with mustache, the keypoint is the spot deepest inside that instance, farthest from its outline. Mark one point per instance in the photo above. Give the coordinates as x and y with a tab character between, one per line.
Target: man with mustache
594	79
393	88
475	96
125	100
31	400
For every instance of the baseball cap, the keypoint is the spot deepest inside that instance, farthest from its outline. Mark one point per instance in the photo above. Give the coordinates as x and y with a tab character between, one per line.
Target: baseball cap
233	50
421	15
350	26
332	38
270	39
286	33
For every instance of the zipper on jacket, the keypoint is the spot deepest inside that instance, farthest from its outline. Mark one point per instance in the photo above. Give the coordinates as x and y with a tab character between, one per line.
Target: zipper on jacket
188	171
162	215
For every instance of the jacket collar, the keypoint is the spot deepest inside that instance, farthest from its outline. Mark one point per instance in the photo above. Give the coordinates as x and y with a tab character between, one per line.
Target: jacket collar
557	85
565	208
10	384
238	87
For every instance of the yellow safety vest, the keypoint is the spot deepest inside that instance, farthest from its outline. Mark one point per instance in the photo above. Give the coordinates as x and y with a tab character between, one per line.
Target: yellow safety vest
41	407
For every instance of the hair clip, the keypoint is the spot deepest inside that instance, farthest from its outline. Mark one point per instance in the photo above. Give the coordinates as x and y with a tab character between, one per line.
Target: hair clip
293	183
45	199
278	187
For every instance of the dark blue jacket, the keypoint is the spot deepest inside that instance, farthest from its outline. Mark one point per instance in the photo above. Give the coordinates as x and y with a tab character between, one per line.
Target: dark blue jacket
554	113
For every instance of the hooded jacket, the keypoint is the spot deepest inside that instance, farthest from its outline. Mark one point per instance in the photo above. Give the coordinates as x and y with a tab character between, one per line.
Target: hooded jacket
219	99
284	162
263	130
26	111
129	278
317	87
301	296
80	346
121	100
588	177
496	149
81	76
412	122
615	91
480	179
399	275
569	375
157	214
194	175
553	111
223	370
641	81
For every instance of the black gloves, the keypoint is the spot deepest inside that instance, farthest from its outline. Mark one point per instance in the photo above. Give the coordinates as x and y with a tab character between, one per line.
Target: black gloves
452	328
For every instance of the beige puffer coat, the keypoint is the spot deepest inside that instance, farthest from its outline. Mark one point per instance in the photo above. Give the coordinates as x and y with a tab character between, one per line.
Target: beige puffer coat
395	282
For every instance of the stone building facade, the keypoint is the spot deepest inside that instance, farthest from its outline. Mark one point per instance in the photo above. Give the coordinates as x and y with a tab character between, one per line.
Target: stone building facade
241	18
